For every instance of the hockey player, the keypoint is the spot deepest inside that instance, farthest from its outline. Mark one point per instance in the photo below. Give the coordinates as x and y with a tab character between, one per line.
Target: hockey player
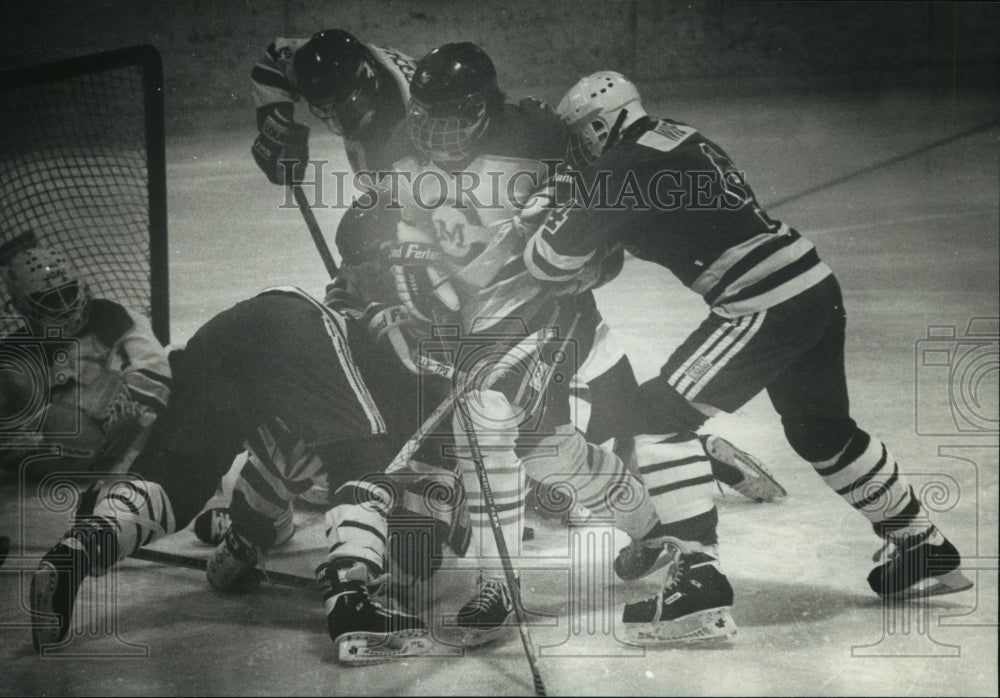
463	131
100	377
358	90
776	323
304	391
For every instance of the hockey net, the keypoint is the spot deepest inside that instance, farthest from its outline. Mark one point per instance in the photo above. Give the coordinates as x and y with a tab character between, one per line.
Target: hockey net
82	170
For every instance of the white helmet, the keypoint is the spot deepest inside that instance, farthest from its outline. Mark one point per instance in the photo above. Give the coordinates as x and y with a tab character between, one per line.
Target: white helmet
46	290
596	107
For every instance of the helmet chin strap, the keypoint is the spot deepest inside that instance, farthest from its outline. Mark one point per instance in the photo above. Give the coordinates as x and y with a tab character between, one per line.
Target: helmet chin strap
616	131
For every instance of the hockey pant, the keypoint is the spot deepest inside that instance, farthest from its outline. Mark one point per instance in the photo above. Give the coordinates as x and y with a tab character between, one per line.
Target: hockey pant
572	469
794	351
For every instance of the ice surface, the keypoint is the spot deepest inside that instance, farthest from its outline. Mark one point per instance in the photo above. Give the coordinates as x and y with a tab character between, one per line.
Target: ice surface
914	245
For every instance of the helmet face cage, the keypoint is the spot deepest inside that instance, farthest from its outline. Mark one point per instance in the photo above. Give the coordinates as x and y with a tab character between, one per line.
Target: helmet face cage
46	291
446	132
586	141
64	306
349	115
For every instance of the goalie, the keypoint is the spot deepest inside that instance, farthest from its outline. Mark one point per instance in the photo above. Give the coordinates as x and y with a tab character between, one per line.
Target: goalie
84	377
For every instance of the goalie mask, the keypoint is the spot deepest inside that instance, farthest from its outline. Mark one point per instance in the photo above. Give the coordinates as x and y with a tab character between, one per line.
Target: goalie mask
597	110
47	291
338	76
454	95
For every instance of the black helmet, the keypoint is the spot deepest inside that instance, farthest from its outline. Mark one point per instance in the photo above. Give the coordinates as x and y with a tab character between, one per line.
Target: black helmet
453	96
338	77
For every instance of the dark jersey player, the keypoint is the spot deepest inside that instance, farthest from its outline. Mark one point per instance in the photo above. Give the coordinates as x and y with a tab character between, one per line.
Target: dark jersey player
304	392
776	323
491	157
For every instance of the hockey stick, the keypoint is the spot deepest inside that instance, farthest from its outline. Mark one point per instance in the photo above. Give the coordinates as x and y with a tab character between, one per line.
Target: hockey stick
491	508
199	563
508	568
314	230
462	382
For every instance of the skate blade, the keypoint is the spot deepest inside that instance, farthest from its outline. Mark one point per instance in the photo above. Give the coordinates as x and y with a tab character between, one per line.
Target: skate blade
949	583
758	484
45	629
714	625
362	648
473	637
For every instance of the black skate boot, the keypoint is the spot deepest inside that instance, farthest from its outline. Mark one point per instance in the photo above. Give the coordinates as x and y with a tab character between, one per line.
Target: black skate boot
740	470
484	617
89	548
925	564
235	567
693	606
365	631
54	587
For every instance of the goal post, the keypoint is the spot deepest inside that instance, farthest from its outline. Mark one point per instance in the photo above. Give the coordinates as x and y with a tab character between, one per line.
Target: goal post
83	170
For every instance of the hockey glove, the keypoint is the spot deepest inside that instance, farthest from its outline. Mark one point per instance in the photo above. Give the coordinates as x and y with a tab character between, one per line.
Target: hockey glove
396	325
282	149
123	413
421	282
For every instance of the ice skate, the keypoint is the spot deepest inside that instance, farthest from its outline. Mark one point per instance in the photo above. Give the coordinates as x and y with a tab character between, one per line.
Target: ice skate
741	471
693	606
235	567
54	587
363	630
918	565
484	617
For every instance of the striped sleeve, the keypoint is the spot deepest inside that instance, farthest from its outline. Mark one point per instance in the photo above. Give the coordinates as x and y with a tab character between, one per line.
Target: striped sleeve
559	250
145	367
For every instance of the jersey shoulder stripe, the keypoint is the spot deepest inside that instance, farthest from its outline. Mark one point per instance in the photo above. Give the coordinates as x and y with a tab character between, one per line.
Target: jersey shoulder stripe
666	136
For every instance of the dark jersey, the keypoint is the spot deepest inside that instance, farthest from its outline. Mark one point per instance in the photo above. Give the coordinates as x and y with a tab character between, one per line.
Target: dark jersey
671	196
283	355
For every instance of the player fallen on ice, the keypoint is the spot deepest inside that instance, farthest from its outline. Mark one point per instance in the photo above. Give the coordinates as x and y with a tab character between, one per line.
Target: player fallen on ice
776	323
303	391
83	374
459	124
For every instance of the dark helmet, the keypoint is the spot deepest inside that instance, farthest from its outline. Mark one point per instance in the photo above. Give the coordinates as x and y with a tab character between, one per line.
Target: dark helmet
453	96
365	227
338	77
